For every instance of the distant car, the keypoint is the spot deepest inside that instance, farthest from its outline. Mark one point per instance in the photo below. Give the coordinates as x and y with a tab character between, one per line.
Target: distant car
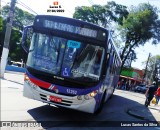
141	88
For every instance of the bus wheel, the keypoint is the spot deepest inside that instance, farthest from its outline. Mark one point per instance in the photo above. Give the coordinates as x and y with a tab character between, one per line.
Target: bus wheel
101	104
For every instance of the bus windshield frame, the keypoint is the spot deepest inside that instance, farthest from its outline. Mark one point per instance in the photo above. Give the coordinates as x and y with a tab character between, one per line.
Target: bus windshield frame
68	57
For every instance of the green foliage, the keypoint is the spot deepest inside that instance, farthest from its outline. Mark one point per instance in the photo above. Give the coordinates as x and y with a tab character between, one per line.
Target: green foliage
93	14
23	18
101	15
20	15
16	52
138	28
116	12
151	63
2	33
1	24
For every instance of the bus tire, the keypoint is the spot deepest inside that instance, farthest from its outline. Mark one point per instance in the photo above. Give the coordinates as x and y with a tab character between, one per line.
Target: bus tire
101	104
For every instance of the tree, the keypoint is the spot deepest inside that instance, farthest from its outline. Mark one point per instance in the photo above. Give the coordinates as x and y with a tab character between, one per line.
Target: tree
138	28
2	33
20	15
101	15
131	57
152	67
22	18
16	52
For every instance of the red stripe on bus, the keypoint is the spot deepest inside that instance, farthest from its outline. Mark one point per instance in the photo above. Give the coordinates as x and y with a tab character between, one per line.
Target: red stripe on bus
40	83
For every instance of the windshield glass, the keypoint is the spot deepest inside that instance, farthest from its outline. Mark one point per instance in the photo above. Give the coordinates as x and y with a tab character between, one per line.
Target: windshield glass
65	57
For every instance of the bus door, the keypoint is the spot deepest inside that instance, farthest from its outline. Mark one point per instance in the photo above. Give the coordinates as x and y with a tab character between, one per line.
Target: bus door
109	75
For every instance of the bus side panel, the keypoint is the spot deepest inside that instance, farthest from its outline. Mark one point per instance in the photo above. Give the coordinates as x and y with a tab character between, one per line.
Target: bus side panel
115	81
98	97
27	91
108	86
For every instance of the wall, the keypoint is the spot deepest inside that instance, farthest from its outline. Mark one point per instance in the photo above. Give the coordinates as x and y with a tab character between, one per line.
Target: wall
15	68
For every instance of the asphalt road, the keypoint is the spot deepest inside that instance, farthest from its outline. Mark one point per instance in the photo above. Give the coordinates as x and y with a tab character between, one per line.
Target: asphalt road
15	107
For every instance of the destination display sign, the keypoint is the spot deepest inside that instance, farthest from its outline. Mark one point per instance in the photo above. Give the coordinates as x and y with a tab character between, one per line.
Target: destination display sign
69	25
70	28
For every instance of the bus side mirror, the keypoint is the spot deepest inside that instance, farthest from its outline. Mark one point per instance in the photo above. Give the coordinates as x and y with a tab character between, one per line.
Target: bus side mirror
26	37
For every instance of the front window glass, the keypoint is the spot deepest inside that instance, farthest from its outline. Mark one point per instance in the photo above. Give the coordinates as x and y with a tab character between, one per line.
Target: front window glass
65	57
46	53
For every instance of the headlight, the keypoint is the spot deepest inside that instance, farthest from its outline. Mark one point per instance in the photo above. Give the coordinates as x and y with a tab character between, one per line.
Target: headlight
92	94
87	96
26	77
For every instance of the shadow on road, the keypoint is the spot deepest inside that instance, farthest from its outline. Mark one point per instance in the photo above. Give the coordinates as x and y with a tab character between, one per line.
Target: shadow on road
115	111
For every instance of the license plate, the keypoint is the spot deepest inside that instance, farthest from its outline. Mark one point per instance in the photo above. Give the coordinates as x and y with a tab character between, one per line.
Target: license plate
55	99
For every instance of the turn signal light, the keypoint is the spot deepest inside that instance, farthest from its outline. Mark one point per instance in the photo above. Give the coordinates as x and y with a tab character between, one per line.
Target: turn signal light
26	77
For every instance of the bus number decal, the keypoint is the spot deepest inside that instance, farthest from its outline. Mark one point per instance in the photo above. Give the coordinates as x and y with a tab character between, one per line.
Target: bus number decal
71	91
73	44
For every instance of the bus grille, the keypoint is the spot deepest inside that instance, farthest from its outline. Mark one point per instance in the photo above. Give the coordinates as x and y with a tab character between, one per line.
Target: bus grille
58	93
64	102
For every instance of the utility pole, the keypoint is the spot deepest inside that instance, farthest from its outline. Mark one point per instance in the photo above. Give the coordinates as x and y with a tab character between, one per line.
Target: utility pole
146	66
154	67
7	38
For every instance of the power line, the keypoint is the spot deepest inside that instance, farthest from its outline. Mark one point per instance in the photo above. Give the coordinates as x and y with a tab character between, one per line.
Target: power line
5	2
25	6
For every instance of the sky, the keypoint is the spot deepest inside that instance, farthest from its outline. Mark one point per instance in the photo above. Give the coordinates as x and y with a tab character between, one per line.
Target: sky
41	7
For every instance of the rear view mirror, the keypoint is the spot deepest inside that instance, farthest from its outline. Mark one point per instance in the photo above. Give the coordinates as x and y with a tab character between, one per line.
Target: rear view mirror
26	37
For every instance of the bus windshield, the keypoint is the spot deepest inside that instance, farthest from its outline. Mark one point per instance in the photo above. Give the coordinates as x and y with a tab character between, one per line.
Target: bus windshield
65	57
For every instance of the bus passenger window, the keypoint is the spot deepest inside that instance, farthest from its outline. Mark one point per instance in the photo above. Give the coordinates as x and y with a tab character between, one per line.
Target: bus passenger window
107	63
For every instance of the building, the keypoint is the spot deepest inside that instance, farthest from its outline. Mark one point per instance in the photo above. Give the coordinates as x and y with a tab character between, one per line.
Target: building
132	76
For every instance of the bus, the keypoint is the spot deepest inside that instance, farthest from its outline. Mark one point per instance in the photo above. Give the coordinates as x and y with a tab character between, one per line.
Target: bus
71	63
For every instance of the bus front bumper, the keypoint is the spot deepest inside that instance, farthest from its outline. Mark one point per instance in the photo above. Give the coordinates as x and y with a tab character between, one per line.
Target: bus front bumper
67	101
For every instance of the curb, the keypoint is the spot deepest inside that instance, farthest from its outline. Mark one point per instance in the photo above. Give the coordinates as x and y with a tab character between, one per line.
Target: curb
14	72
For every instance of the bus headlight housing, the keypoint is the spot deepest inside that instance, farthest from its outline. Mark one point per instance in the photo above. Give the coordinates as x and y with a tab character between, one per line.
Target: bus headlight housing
26	77
79	97
86	97
93	94
27	80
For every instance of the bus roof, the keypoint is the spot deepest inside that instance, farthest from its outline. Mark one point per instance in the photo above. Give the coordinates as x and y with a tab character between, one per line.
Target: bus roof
71	20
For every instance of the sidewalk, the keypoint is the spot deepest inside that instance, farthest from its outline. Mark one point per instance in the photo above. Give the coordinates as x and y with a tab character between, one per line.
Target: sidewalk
16	77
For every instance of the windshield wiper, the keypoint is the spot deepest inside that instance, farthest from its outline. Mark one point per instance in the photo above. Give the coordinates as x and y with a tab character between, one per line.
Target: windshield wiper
84	78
